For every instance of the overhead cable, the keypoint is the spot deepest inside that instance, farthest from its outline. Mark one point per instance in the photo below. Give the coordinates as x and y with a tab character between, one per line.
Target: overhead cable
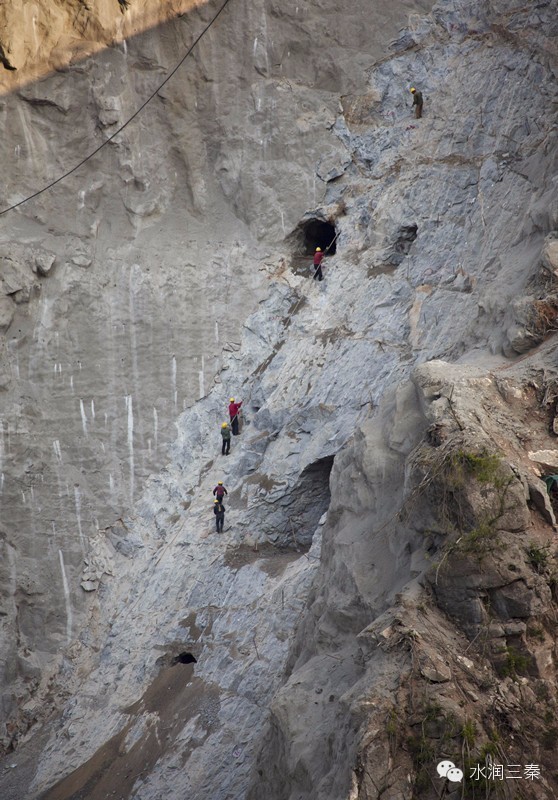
125	124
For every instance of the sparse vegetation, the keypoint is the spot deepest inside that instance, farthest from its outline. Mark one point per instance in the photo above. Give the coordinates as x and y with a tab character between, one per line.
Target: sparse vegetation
536	632
488	470
538	557
516	663
484	467
480	541
391	724
469	733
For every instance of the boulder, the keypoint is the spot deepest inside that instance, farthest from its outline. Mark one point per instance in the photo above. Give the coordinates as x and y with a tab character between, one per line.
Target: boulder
549	254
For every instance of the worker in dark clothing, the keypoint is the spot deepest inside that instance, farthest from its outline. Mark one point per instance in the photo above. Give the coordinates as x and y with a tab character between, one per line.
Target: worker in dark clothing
226	434
219	492
318	256
417	102
219	511
234	409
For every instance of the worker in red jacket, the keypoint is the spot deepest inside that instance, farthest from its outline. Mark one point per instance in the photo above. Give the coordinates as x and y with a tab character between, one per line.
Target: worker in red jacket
318	256
219	492
234	409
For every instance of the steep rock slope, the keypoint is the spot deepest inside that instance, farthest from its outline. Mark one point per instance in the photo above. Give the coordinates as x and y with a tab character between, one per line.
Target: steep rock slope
122	285
442	224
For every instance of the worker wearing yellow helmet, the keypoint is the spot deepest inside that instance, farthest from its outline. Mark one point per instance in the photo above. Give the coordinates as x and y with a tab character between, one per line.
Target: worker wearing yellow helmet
226	436
417	102
234	410
219	492
219	511
318	256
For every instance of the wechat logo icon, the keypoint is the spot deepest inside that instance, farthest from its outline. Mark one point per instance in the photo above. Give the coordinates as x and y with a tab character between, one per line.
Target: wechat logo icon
447	769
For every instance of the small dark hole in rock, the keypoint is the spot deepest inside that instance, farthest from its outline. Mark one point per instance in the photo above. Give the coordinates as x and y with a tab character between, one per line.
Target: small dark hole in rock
407	235
185	658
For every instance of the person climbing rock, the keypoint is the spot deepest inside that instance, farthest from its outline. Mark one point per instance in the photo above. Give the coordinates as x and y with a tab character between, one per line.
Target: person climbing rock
318	256
219	492
219	511
234	409
417	102
226	434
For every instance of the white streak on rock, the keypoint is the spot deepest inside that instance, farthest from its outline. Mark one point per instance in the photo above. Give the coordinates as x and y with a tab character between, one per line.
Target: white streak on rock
201	377
83	417
130	411
67	600
173	379
77	500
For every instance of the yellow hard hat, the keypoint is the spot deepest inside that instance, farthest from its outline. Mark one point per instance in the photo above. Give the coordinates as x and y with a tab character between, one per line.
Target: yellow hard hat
215	501
219	483
413	90
224	425
231	399
318	249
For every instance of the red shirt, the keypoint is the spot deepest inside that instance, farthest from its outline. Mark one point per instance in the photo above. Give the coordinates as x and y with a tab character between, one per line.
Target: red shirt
318	259
233	409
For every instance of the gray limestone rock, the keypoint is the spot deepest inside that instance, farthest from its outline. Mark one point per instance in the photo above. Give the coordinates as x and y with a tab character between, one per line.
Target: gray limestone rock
539	495
7	312
550	255
164	244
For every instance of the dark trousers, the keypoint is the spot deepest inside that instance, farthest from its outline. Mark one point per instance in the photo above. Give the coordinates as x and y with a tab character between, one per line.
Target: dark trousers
225	450
318	273
418	111
234	425
219	522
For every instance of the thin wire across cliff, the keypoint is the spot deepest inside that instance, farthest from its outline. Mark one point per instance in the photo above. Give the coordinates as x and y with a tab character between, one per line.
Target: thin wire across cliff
125	124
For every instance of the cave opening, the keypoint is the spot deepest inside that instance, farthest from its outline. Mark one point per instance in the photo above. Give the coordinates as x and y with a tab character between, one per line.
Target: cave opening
185	658
311	497
318	233
406	236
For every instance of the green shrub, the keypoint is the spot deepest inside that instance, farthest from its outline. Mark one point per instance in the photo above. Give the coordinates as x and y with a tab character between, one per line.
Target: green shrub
538	557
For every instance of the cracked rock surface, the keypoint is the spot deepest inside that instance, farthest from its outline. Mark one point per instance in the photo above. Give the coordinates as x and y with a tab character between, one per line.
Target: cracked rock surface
383	594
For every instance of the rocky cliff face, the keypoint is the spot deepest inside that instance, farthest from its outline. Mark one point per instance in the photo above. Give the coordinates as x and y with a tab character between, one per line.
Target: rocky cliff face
122	285
398	608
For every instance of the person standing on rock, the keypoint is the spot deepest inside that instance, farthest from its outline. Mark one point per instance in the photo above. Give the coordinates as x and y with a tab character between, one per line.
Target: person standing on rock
226	435
417	102
234	409
219	492
219	511
318	257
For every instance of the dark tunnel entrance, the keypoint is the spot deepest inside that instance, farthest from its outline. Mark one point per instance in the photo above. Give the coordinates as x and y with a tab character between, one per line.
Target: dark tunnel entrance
311	498
317	233
185	658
